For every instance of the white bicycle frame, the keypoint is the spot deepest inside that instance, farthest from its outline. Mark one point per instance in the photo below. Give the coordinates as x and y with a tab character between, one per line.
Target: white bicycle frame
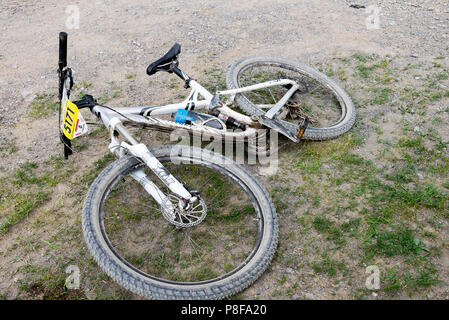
114	118
192	103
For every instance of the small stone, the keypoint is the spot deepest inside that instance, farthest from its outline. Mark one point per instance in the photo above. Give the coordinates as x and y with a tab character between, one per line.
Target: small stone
26	93
420	176
414	55
309	296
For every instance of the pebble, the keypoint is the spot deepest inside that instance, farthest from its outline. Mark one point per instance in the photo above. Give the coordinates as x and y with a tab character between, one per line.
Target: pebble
309	296
26	93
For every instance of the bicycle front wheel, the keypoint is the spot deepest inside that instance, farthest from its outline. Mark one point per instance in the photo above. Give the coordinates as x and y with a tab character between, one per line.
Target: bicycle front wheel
134	244
320	99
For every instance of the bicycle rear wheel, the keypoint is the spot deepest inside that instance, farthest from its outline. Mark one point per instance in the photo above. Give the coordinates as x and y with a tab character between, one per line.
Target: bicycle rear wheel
129	237
328	107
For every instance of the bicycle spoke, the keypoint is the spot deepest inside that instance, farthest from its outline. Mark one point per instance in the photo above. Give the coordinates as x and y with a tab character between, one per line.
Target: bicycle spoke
317	100
271	93
157	247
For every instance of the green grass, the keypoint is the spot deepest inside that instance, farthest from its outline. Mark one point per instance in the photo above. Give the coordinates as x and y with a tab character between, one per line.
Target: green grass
7	147
27	188
443	75
18	206
396	242
361	57
329	265
382	96
423	275
428	196
42	106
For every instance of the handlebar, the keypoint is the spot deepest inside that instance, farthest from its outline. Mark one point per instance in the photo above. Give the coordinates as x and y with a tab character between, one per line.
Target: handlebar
62	63
62	50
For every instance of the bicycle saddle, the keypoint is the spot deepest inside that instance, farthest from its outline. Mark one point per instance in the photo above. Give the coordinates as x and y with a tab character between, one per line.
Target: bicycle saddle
165	63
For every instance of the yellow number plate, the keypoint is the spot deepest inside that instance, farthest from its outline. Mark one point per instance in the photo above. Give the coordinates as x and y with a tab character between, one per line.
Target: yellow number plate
70	120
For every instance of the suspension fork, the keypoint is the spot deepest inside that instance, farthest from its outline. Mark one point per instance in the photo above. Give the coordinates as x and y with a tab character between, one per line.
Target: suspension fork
141	151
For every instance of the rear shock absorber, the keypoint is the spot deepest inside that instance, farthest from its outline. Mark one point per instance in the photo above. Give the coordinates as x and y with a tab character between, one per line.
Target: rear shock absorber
229	121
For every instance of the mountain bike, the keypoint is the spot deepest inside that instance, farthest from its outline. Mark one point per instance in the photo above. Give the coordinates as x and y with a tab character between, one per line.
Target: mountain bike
179	222
169	222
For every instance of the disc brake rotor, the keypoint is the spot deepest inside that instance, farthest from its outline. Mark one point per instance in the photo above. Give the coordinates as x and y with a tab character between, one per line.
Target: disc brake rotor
174	212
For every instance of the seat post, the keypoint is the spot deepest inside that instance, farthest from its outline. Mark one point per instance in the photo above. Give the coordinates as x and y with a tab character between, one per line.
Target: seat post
182	75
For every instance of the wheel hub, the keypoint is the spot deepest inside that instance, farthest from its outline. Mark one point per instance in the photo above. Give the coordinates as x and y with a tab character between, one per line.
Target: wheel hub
181	214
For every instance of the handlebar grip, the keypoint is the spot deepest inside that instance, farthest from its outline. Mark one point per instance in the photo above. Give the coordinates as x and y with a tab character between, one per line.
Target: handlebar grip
62	50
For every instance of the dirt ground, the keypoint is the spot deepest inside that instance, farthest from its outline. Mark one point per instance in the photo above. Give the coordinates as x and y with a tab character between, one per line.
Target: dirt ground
110	50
